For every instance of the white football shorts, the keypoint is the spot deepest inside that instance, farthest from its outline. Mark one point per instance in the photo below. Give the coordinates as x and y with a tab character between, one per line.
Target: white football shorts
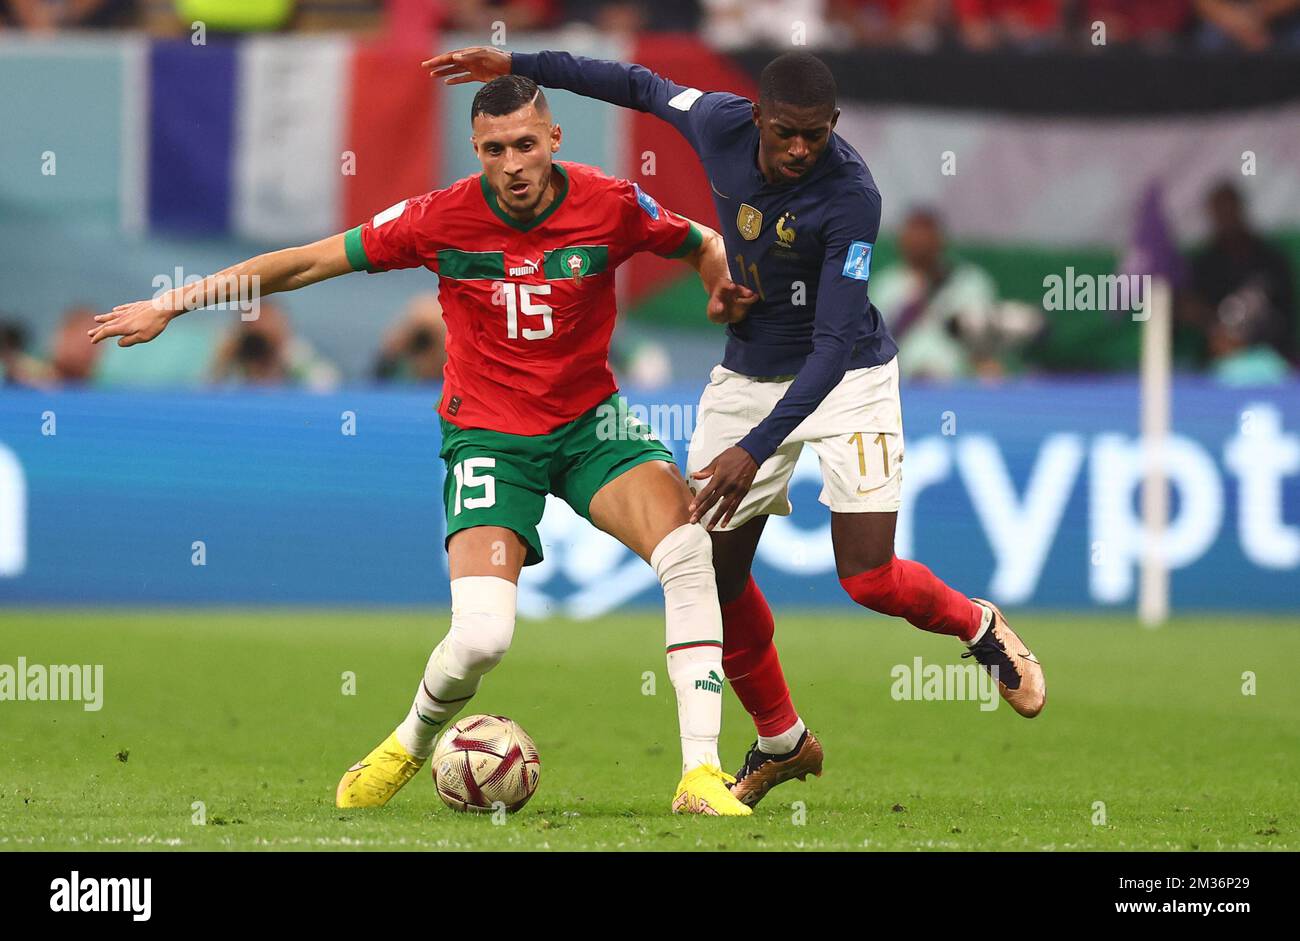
856	432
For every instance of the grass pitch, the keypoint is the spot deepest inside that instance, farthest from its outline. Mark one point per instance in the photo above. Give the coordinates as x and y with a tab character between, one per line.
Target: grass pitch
245	712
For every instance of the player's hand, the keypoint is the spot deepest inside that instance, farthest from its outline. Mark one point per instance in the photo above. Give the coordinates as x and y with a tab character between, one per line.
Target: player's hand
730	476
730	302
472	64
135	323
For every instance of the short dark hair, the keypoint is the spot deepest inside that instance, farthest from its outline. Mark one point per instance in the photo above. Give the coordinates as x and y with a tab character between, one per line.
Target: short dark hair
506	94
797	78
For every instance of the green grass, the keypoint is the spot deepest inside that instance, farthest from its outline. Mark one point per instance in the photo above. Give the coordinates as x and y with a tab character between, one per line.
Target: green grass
244	712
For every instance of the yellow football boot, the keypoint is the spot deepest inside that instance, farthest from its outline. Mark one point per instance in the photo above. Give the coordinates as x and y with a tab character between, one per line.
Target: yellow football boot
373	780
703	790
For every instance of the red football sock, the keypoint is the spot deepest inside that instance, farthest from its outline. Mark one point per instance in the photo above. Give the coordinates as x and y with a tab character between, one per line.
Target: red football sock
750	661
909	590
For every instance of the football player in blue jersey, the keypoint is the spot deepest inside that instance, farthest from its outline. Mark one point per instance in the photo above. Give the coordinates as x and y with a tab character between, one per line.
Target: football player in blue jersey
809	353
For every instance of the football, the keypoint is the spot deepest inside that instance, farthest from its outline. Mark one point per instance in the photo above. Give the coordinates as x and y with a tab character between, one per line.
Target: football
483	763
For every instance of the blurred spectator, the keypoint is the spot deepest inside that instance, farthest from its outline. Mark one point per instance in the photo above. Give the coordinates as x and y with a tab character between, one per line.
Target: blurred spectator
17	366
1239	355
1025	24
265	351
50	15
477	16
929	298
1242	294
736	24
415	349
911	24
73	357
1249	24
1149	23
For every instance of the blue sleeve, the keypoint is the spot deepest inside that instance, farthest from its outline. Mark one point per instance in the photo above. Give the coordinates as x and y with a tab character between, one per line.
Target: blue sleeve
842	302
628	86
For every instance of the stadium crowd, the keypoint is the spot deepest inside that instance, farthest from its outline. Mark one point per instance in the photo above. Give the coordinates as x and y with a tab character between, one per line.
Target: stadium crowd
1029	25
1236	308
1235	315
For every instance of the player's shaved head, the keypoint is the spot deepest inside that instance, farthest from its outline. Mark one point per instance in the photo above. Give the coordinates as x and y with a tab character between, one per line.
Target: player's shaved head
508	94
799	79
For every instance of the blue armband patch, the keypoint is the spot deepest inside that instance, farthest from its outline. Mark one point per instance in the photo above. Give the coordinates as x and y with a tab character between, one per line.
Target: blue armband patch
858	263
646	202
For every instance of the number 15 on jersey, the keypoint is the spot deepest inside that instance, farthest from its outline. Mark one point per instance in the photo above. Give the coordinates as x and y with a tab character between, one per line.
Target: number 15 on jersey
518	302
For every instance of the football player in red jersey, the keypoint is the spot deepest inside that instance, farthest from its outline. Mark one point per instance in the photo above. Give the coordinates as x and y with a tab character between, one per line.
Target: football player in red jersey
811	363
525	253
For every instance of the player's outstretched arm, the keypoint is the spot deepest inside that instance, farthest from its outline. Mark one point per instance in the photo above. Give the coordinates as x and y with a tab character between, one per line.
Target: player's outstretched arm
624	84
242	284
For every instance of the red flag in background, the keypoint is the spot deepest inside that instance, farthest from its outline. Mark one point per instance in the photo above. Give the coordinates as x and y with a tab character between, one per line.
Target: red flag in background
679	181
391	122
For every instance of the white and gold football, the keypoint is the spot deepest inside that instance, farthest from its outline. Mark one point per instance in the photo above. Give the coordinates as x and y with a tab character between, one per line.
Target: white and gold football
485	763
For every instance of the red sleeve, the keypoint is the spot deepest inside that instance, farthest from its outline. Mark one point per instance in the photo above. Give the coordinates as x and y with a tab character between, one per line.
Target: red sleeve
399	237
650	227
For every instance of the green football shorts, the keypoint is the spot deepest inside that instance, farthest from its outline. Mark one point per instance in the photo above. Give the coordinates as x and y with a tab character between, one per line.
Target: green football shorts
499	479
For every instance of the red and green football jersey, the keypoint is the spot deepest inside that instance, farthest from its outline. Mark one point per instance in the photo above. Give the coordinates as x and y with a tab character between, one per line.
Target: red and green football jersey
529	307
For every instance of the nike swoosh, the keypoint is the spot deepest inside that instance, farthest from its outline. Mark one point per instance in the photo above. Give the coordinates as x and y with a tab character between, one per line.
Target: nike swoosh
715	189
1030	657
358	766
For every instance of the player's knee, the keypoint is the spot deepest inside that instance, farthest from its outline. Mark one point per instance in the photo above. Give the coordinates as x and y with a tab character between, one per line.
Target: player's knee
482	622
878	589
684	560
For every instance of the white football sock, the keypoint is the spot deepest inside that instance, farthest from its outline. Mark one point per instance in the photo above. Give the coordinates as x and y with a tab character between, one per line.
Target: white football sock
785	742
482	625
693	629
986	618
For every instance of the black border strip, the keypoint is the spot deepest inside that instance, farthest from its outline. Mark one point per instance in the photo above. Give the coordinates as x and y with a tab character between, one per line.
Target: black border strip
1111	83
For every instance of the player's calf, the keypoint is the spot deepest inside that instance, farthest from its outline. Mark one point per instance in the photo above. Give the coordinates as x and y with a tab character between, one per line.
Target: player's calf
482	626
751	662
683	560
907	589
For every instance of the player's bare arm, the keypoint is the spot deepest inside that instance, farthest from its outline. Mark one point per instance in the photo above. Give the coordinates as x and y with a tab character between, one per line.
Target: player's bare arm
270	273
